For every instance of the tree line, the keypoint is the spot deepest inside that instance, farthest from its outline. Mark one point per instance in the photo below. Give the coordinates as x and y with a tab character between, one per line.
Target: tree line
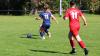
19	7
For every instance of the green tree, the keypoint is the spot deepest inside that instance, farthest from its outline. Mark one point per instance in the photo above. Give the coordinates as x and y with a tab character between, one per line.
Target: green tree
92	5
54	4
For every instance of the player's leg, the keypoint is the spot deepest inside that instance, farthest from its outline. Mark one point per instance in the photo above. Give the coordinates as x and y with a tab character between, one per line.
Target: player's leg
79	40
71	38
75	29
42	32
82	44
47	30
49	34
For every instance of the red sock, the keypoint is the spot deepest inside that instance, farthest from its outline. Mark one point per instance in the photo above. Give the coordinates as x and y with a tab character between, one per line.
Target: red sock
81	43
72	43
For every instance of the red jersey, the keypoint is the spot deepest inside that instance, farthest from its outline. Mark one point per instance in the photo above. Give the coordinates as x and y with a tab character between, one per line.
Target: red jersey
73	14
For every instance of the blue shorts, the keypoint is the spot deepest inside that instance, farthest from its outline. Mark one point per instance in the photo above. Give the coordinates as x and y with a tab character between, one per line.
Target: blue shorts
45	27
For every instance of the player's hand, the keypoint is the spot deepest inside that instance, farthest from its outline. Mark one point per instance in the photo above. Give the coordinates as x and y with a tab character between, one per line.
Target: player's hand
36	18
85	24
64	17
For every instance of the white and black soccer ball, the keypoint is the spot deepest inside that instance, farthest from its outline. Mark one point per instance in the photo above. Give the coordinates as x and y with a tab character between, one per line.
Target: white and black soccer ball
29	35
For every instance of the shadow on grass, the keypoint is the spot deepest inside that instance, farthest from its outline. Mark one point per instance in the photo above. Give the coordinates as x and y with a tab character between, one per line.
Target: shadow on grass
46	51
34	36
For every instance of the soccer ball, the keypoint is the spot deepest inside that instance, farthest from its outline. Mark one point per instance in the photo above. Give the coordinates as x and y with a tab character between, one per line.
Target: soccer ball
29	35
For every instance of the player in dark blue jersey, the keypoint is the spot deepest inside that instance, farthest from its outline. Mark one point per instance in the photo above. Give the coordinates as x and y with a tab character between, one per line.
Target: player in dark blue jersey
45	16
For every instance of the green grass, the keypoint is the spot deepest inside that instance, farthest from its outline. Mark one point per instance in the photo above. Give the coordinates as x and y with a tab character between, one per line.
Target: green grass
13	41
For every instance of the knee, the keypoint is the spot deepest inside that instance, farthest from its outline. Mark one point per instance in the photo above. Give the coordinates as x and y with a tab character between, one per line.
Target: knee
78	38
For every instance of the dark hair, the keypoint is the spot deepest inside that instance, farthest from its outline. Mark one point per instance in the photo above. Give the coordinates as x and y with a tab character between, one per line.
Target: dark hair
72	3
46	6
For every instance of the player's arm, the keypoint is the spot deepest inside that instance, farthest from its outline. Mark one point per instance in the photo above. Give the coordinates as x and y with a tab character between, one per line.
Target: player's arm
84	20
66	15
53	17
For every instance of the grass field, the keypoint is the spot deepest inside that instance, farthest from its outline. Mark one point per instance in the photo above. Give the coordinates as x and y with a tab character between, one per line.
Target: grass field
13	41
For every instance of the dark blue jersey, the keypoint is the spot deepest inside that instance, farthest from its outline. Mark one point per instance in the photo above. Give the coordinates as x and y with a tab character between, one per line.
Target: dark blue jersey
46	17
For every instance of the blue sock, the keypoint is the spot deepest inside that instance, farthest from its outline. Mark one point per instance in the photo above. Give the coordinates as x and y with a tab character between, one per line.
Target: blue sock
42	34
46	31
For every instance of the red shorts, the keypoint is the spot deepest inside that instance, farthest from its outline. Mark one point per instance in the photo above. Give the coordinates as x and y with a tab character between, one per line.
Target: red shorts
74	29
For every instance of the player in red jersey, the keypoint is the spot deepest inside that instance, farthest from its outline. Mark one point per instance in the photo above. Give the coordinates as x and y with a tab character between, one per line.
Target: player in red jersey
73	14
